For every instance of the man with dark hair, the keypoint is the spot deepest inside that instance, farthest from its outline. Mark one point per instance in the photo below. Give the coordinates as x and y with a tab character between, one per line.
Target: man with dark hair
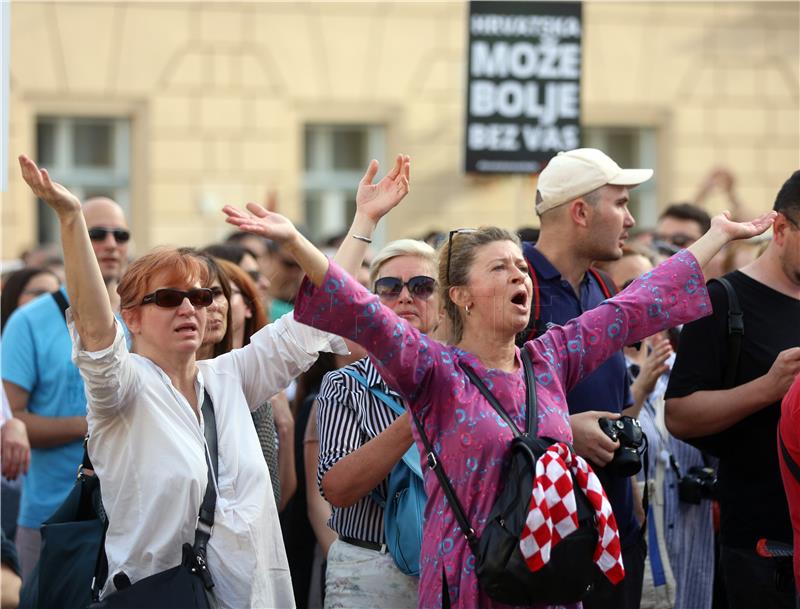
582	201
736	416
680	225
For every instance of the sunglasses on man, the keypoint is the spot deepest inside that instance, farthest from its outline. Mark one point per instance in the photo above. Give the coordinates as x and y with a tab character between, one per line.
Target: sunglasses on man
420	287
169	298
99	233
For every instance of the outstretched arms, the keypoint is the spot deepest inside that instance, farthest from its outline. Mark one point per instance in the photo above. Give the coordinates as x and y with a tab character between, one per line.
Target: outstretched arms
91	308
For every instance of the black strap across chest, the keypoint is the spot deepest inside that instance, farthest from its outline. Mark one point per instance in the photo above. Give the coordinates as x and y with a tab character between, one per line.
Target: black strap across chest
531	427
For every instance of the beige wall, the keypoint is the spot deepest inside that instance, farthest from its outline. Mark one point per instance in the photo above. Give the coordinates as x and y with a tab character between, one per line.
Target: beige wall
218	96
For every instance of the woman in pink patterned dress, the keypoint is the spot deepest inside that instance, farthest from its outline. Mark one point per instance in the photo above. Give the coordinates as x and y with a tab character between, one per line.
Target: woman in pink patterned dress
487	292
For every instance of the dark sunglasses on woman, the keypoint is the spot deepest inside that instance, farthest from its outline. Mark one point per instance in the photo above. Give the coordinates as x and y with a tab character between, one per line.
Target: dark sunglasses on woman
170	298
99	233
421	287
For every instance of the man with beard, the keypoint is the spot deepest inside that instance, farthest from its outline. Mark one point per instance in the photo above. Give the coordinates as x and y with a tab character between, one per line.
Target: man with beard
582	202
44	388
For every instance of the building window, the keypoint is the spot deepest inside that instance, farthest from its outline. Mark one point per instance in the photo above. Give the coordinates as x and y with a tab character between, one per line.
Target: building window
88	155
631	147
336	157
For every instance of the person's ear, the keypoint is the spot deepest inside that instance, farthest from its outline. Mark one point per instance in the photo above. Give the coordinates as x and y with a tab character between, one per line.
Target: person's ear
133	319
779	229
460	296
580	212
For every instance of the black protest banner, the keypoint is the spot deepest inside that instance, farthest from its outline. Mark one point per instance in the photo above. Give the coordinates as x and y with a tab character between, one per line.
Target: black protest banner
523	84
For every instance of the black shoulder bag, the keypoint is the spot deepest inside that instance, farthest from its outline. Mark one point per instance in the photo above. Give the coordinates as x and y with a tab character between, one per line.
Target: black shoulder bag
499	563
189	585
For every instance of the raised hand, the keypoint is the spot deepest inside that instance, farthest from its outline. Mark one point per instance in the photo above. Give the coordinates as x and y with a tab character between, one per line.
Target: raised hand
261	222
61	200
376	200
742	230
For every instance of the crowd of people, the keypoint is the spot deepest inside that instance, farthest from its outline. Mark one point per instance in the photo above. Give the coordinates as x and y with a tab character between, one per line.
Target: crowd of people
319	399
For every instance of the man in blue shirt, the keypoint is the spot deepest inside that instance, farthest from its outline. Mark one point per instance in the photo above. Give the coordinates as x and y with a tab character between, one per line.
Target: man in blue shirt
582	202
44	388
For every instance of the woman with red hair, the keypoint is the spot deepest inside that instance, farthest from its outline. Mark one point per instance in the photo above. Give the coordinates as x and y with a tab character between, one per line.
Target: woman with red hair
151	409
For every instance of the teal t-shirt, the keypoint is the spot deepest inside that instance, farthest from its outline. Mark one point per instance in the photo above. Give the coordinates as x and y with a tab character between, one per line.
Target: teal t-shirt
37	356
279	308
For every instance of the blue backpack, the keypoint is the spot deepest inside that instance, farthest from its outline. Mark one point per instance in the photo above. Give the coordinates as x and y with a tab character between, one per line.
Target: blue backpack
404	505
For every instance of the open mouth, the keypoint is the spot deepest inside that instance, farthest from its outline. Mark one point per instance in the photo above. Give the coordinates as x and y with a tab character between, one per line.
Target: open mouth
520	299
186	328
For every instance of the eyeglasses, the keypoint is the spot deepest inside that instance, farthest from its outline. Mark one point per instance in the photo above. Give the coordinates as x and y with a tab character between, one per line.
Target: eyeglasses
421	287
255	276
457	231
170	298
99	233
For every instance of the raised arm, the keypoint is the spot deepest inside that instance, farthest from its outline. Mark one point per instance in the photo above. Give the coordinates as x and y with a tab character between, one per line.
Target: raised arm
373	201
91	307
672	293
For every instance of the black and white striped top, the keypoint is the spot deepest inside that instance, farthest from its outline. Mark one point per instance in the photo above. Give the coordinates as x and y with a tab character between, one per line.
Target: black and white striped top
348	416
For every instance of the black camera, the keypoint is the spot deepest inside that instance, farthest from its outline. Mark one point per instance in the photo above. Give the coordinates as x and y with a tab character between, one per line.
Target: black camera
699	483
627	459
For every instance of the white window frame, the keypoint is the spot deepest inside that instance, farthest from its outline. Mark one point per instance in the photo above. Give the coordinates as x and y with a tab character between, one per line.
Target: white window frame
80	180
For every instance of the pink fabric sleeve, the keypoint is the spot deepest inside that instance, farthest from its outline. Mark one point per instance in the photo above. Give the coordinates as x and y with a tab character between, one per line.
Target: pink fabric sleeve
671	294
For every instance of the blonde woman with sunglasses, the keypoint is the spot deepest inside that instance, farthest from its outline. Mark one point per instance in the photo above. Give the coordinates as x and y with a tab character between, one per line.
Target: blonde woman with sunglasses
361	439
148	408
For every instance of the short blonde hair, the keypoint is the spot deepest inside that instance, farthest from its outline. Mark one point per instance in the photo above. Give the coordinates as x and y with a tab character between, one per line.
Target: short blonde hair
401	247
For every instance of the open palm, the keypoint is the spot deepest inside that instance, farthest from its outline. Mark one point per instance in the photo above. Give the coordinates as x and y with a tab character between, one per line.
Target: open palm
54	194
261	222
743	230
376	200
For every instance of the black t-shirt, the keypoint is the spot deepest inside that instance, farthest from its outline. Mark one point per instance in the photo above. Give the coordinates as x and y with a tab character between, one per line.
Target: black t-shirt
752	501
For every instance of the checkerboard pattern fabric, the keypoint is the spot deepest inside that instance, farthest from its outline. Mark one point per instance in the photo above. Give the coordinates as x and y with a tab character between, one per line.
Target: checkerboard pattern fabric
553	512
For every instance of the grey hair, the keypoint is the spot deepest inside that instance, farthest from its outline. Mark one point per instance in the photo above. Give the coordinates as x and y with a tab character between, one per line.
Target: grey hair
401	247
464	247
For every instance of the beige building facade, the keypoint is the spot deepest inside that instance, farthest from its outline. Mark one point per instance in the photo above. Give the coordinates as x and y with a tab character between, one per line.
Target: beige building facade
178	108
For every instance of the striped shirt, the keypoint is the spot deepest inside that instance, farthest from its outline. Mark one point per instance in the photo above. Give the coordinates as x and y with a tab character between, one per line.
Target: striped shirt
348	416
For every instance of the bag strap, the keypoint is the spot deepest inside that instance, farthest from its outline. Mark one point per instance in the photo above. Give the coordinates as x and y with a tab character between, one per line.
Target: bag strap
531	418
205	518
735	332
62	303
791	464
438	468
411	456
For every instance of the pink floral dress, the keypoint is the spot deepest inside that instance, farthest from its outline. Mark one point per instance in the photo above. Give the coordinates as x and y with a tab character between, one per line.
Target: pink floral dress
471	440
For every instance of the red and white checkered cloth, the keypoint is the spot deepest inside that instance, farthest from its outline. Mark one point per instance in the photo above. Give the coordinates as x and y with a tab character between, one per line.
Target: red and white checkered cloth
553	513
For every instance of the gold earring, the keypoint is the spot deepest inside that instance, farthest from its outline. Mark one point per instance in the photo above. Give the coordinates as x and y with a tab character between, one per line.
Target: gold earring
466	308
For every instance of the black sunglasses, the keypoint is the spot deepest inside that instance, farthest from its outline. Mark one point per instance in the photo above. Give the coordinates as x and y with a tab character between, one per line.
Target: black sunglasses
170	298
457	231
421	287
99	233
254	275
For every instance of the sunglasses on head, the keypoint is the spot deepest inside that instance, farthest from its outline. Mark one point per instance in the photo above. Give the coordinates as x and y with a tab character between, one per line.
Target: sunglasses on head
421	287
170	298
99	233
458	231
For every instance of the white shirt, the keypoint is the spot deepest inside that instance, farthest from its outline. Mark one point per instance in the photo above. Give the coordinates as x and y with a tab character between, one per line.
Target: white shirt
147	448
